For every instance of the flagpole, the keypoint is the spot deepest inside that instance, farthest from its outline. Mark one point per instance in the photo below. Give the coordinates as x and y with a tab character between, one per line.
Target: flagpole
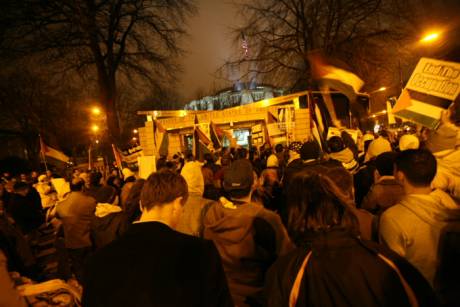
42	152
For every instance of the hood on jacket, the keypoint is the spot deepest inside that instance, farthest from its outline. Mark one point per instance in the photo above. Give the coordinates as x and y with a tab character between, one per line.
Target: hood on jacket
106	209
344	156
230	223
194	177
434	208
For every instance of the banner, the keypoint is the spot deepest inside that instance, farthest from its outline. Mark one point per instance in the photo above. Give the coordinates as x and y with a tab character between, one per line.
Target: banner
432	87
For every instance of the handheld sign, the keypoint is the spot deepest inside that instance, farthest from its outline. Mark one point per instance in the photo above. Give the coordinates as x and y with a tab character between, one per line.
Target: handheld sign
432	87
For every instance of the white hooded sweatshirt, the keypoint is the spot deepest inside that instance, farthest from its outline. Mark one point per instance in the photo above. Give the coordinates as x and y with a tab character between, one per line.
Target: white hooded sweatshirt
412	228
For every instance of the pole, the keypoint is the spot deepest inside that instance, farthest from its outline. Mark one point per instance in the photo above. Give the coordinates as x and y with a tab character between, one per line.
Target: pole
400	75
44	160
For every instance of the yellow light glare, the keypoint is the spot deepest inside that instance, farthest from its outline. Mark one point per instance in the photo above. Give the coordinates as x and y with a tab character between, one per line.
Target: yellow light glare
430	37
134	138
382	89
135	131
96	110
95	128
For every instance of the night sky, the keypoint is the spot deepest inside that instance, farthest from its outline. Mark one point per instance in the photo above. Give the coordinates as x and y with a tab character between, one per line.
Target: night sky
208	45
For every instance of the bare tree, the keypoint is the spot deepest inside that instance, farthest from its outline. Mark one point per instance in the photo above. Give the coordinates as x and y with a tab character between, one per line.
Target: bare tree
280	34
133	39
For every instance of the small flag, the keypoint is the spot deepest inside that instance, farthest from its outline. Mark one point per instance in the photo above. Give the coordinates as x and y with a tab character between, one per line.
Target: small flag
216	135
51	152
335	78
160	138
420	108
117	156
200	141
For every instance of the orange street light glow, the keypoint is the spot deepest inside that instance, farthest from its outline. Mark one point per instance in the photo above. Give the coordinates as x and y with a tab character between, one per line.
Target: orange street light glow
382	89
96	110
95	128
430	37
135	131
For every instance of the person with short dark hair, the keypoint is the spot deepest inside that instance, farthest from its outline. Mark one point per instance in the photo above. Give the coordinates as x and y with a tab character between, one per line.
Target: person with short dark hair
76	212
332	266
412	227
386	190
102	193
248	236
152	264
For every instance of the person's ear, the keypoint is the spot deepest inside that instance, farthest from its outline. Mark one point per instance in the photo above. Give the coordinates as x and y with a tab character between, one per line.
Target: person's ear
140	206
376	175
400	177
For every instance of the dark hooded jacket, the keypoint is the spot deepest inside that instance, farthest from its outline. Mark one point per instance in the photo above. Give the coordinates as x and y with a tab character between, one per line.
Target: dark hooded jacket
345	271
249	238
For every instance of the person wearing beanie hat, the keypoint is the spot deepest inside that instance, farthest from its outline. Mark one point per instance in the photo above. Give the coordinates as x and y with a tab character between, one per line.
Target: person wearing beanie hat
408	141
377	147
269	188
310	151
191	222
241	229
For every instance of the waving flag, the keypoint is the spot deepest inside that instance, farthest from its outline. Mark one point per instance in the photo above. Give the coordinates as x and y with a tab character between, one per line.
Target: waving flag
160	138
51	152
200	141
335	78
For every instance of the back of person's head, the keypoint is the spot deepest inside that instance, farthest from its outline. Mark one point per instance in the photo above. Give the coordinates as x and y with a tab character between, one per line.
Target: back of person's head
279	148
163	187
417	165
77	184
384	134
241	153
310	150
21	187
194	177
319	208
95	179
335	144
385	163
340	176
189	156
408	141
132	210
208	157
272	161
238	179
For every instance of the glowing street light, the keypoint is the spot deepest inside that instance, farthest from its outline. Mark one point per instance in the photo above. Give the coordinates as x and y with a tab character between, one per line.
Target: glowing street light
96	110
97	141
430	37
135	131
134	139
95	128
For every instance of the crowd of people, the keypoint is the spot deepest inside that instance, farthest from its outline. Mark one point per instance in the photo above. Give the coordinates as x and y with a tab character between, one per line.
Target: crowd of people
367	222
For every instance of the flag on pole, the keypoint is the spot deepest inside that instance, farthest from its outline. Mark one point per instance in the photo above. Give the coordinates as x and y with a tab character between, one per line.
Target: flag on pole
200	141
117	156
335	78
217	135
160	138
51	152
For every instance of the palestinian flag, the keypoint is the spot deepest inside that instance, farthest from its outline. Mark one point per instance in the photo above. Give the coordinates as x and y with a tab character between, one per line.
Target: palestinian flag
335	78
217	135
200	142
48	151
160	138
420	108
117	156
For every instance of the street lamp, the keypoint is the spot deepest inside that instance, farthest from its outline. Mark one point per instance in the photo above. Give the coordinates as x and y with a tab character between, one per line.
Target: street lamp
96	110
95	128
430	37
135	131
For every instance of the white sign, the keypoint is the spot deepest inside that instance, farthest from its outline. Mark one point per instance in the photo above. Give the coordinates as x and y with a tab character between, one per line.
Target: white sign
436	78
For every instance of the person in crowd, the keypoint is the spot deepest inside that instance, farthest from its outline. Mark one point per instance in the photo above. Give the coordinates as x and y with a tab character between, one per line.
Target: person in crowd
34	177
249	237
101	193
191	221
408	141
332	266
219	176
339	152
9	296
152	264
110	222
129	179
115	182
25	207
76	213
47	195
386	190
270	190
210	189
364	177
444	144
241	153
412	227
210	163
